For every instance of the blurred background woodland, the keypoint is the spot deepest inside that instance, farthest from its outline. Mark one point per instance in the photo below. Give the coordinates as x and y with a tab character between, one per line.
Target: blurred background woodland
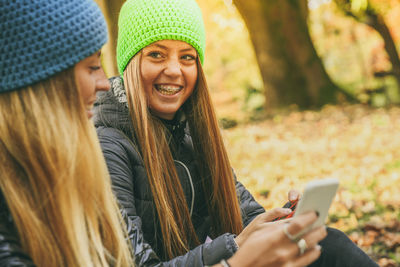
304	90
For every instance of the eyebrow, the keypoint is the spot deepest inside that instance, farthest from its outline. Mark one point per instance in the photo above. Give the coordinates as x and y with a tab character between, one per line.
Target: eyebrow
188	49
158	45
166	48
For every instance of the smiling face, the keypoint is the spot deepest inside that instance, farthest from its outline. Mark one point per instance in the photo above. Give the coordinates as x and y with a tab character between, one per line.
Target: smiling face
169	75
90	79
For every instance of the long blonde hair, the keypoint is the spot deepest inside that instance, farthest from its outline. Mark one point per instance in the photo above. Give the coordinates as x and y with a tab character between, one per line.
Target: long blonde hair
177	230
54	178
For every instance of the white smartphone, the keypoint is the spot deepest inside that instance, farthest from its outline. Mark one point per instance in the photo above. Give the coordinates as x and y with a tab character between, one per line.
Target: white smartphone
317	196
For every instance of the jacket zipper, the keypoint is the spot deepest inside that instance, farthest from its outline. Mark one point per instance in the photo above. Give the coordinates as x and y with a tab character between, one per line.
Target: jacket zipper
191	184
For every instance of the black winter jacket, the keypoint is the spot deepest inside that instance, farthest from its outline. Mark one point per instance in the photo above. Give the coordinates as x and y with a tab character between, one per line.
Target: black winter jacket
133	192
11	253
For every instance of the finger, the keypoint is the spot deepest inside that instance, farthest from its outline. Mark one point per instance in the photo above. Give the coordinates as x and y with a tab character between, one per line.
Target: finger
294	195
284	221
307	258
276	213
272	214
298	224
316	235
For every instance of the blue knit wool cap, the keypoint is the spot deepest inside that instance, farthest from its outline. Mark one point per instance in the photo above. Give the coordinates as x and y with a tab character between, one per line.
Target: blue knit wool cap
39	38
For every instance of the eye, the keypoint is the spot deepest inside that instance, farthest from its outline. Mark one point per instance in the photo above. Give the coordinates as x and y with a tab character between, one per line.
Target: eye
94	68
155	54
188	57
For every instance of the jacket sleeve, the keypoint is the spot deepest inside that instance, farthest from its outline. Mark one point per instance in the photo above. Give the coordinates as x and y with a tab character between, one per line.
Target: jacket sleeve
115	146
11	253
249	207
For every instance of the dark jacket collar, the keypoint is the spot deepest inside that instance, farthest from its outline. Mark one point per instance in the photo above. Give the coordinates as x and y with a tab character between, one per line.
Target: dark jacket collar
111	110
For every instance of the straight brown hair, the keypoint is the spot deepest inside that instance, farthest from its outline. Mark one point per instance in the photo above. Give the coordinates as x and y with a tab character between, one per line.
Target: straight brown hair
177	230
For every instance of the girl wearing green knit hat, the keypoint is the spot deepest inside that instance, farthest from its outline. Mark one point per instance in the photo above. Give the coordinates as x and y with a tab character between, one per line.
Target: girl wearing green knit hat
166	157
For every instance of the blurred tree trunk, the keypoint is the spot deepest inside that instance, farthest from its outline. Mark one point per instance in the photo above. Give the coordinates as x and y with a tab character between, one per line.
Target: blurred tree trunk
375	20
110	9
290	68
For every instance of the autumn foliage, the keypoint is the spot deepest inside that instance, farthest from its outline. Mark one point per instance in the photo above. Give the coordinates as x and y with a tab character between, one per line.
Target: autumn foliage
357	144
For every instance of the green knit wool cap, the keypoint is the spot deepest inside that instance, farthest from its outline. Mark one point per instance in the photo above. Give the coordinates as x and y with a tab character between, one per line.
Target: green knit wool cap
143	22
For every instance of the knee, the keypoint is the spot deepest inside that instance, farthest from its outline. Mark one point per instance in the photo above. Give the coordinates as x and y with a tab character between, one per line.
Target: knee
336	241
338	248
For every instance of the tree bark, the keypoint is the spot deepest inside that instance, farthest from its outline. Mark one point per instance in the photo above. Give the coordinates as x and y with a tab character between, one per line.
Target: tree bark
373	19
290	68
110	9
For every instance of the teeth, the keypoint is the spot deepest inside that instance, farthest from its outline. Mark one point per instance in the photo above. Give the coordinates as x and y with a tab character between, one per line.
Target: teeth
168	89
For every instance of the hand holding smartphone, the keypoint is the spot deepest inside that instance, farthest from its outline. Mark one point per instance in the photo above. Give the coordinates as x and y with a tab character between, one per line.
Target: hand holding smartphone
318	196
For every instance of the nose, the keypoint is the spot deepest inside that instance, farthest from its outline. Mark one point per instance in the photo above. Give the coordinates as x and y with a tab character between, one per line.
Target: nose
102	83
173	68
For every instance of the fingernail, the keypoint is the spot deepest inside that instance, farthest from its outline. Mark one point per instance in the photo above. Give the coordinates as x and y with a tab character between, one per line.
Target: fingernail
292	198
287	211
318	247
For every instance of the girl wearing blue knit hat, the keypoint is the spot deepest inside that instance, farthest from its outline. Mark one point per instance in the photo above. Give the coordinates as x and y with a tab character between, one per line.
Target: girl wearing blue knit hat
56	203
169	167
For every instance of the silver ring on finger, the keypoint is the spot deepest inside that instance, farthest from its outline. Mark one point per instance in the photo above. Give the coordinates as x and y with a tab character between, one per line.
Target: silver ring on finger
302	244
289	235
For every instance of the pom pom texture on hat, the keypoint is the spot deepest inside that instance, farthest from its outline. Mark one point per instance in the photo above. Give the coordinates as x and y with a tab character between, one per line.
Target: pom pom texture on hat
142	22
39	38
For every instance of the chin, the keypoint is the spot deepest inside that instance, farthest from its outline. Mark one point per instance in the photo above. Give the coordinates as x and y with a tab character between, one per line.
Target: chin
89	114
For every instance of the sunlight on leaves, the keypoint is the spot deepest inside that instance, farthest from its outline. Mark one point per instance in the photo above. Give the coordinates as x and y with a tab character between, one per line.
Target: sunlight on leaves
356	144
359	5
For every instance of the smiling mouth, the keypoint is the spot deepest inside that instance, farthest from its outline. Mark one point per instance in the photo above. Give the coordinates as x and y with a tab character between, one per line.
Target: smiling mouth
168	89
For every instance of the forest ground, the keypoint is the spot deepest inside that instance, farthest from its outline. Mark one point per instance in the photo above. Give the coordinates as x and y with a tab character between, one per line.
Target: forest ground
354	143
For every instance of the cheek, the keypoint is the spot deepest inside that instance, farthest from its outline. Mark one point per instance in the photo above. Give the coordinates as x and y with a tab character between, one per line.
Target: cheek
87	87
149	74
191	77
